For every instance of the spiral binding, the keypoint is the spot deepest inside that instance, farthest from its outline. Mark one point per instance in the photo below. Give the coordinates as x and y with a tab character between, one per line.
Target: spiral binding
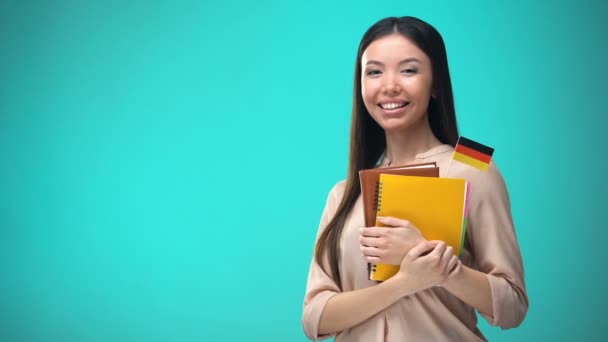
377	207
377	196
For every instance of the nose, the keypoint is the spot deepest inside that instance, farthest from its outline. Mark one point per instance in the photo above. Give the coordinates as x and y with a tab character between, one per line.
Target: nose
391	86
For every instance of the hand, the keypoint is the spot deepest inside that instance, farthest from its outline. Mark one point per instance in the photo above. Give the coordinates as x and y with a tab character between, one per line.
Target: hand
428	264
381	245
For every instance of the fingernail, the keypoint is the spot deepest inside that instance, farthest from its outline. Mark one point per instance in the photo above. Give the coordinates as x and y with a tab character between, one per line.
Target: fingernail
381	218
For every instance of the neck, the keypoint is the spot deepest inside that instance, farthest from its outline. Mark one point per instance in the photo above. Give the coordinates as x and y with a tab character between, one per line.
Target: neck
403	146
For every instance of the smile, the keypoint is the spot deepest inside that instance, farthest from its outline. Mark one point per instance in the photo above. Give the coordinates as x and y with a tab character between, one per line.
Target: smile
393	105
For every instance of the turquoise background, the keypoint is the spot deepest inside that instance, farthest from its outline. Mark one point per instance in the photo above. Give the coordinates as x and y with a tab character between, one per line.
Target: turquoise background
164	164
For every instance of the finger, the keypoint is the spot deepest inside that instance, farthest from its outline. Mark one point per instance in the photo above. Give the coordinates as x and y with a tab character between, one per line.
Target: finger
373	231
456	269
369	241
393	221
421	248
373	260
452	263
437	252
433	243
447	255
371	251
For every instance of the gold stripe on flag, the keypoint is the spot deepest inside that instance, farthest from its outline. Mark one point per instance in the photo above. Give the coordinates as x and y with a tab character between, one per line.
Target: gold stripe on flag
471	161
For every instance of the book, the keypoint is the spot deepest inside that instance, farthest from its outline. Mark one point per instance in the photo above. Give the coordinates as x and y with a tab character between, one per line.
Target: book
369	180
436	206
369	184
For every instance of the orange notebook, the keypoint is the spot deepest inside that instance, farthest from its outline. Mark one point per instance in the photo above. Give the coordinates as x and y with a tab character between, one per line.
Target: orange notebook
436	206
369	184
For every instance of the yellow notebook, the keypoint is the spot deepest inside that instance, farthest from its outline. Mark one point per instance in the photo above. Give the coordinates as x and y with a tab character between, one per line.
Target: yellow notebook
436	206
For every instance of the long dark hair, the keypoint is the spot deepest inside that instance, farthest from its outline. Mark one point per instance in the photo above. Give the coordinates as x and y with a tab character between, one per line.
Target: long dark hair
367	139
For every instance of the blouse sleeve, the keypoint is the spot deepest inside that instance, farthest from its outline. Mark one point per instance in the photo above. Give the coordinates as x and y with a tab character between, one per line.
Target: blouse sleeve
320	286
496	250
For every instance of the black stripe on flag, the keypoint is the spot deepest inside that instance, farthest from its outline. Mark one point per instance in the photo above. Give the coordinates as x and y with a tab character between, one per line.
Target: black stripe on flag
476	146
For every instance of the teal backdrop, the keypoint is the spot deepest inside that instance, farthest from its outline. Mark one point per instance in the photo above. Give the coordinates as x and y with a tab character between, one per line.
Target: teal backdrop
164	164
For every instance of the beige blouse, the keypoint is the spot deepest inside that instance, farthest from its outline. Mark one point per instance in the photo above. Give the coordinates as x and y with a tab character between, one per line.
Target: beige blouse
433	314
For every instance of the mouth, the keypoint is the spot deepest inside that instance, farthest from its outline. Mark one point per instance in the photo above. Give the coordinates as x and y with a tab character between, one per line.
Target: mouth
393	107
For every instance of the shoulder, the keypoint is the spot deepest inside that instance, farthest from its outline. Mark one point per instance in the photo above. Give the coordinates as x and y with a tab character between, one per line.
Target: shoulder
488	185
337	192
490	179
331	205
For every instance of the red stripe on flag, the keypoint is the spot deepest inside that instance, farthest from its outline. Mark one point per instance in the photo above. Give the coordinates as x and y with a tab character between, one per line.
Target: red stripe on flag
473	153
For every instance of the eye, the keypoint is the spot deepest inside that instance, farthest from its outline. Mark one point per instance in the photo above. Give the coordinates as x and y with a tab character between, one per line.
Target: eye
373	72
409	71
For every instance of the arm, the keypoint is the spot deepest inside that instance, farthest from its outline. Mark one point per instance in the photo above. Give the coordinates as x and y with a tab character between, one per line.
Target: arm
347	309
497	290
425	265
320	287
473	288
389	246
328	310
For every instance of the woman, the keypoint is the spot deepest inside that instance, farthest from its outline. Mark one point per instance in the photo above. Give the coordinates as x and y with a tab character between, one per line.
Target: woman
403	113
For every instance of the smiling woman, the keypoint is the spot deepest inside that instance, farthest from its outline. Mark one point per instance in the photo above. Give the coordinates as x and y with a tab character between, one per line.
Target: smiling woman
403	113
396	82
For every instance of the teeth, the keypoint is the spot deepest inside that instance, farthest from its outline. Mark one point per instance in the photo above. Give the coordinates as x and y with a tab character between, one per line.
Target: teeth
392	105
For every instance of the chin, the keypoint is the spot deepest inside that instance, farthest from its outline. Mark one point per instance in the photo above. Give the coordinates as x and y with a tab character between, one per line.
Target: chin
401	124
395	126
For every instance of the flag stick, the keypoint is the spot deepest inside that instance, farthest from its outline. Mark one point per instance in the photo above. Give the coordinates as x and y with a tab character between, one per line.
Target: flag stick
447	172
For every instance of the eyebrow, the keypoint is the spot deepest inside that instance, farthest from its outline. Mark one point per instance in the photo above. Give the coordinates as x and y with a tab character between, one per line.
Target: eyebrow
407	60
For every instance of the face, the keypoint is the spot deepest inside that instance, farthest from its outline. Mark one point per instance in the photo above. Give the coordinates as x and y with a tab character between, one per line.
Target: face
396	82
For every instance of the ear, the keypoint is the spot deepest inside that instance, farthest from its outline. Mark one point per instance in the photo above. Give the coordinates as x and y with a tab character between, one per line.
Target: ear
434	92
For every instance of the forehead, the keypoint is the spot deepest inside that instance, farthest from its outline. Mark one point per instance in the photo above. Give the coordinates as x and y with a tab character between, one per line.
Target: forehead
393	48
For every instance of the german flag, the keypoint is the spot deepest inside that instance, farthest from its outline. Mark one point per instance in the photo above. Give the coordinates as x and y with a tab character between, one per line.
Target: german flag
473	153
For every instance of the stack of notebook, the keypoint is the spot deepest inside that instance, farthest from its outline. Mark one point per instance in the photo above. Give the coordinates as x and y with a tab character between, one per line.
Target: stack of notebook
436	206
